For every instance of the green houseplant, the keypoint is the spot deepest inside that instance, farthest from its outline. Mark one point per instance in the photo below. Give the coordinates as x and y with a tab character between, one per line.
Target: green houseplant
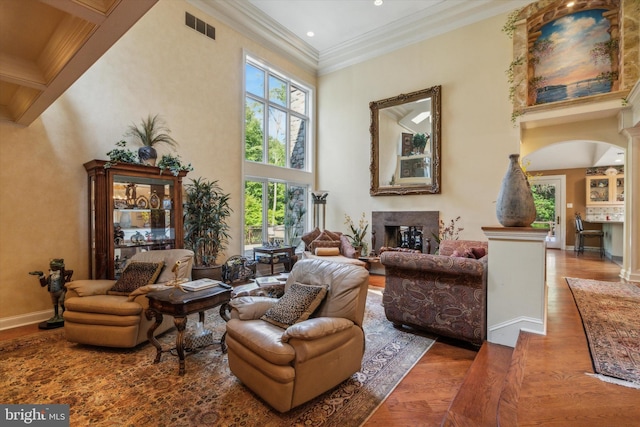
151	132
206	231
357	233
420	142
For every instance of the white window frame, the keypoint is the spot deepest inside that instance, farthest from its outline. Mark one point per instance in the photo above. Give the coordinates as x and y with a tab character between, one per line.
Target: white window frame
262	171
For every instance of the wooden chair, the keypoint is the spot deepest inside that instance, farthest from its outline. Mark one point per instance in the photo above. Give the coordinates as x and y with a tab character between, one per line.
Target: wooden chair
581	234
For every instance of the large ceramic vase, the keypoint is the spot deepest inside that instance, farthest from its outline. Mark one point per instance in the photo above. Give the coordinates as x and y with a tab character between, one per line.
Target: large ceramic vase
515	207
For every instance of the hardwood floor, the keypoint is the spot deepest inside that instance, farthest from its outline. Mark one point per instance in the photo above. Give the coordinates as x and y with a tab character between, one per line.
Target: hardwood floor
542	384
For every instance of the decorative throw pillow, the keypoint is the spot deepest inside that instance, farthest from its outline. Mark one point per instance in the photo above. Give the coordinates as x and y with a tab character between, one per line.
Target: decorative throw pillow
309	237
327	251
478	252
324	244
465	254
296	305
333	235
135	275
346	248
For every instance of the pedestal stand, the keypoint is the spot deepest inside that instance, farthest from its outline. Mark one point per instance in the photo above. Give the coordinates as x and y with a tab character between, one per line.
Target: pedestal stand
516	283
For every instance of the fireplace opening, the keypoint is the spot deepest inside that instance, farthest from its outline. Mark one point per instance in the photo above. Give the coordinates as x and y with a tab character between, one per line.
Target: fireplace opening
410	229
406	237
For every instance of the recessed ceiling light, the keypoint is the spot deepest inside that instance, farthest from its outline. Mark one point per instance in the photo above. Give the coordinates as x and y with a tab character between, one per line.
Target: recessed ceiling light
570	4
310	34
377	2
618	160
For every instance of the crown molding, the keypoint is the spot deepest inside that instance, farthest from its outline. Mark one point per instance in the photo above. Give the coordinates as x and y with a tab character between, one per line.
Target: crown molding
437	20
446	16
247	19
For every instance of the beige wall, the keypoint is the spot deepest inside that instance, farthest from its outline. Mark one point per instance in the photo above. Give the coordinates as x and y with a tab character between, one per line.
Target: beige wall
159	66
477	133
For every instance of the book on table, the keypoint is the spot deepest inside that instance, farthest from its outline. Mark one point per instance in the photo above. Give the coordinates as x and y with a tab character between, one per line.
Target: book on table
200	284
269	280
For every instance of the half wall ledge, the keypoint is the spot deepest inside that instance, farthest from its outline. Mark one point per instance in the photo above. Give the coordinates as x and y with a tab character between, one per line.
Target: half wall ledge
516	283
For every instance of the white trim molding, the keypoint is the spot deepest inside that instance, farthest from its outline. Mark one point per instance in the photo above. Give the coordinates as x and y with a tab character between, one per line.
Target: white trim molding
507	332
25	319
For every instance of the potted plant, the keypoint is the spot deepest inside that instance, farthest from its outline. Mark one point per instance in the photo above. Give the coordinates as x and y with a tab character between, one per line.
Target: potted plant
420	142
357	233
173	164
206	231
151	132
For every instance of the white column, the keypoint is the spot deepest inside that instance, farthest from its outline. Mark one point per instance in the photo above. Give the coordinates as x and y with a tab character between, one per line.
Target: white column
631	244
516	283
629	125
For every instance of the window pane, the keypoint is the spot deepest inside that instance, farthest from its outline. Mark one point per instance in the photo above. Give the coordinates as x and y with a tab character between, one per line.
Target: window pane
254	130
298	100
277	91
252	215
298	143
277	202
277	136
254	80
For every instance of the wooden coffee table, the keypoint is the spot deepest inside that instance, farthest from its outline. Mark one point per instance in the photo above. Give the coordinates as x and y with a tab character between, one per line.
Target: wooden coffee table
180	304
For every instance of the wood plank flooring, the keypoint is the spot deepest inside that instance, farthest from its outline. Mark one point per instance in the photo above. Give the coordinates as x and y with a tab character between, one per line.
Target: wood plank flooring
546	387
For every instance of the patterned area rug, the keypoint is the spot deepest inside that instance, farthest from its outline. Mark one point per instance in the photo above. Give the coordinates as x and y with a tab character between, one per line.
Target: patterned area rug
611	318
114	387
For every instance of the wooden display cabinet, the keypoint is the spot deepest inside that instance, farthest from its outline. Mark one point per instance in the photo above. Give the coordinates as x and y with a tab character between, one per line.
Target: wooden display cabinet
605	190
132	208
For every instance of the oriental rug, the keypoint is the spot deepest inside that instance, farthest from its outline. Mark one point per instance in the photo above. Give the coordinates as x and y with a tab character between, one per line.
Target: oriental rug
610	314
116	387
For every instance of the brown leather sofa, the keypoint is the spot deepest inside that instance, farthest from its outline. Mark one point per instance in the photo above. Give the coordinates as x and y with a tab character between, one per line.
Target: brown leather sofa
93	316
288	367
443	294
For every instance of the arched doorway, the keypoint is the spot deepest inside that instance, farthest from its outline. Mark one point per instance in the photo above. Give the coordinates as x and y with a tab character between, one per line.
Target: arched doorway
568	161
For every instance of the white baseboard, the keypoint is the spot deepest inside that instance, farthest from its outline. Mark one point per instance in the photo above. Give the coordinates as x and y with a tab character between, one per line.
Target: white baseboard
25	319
506	333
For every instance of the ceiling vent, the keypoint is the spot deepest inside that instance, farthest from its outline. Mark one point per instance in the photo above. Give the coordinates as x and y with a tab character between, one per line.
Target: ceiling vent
199	25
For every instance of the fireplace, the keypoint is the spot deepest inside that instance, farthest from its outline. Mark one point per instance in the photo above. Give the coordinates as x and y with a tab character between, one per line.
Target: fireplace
392	229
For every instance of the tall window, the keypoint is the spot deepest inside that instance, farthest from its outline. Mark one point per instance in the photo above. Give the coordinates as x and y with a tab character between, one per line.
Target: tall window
277	171
276	118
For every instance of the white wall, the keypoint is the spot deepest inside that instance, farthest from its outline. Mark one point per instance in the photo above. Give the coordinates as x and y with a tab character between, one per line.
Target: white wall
477	133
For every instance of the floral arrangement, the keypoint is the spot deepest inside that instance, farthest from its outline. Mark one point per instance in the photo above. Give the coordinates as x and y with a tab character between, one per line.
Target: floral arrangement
357	233
449	231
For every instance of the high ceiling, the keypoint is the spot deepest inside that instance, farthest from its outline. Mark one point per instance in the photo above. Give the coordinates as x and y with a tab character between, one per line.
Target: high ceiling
58	40
45	45
348	31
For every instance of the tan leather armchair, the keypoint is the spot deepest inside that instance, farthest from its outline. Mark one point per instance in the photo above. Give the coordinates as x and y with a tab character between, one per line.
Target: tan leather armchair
288	367
93	316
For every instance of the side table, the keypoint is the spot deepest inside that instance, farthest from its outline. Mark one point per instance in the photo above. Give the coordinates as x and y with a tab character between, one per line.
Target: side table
179	304
287	251
370	260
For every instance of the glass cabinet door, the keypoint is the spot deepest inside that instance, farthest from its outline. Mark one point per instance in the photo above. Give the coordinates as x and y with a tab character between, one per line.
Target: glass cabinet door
143	217
598	190
619	189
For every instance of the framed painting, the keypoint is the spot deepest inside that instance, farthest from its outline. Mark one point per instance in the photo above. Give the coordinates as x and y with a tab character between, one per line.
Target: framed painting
569	54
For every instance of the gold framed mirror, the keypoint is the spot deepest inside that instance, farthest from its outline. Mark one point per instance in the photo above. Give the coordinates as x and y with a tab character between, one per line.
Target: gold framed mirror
405	144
